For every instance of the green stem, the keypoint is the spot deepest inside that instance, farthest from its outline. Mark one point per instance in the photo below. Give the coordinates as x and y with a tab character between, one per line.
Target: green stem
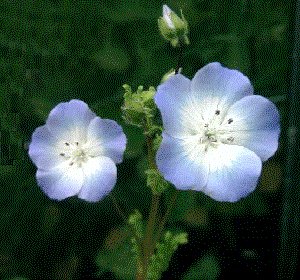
149	234
166	216
139	243
179	59
150	228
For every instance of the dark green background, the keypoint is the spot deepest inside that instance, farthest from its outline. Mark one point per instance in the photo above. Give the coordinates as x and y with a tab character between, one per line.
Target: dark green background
53	51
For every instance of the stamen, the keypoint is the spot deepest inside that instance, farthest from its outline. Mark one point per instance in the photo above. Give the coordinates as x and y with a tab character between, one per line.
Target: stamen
230	139
230	121
212	138
217	112
67	144
62	154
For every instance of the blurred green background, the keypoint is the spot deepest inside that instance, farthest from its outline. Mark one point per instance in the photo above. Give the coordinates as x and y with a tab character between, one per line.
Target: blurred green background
54	51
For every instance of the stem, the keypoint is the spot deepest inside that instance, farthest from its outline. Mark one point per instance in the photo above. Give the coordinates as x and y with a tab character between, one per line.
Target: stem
149	233
151	156
118	208
147	246
166	216
125	221
179	59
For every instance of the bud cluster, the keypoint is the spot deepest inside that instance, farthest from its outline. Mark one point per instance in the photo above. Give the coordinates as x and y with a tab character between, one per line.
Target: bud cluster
138	106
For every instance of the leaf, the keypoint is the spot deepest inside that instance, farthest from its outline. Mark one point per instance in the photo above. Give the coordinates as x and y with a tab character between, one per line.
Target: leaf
207	268
42	107
112	58
123	11
121	261
135	142
185	202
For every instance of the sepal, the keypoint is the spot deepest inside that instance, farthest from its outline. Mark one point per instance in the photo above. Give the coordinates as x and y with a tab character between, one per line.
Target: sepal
156	182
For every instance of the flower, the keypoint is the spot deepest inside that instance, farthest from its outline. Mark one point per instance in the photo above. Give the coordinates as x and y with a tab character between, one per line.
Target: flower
76	152
217	133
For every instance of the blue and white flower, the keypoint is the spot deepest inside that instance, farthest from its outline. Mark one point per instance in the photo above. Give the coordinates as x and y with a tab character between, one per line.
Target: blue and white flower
76	152
216	132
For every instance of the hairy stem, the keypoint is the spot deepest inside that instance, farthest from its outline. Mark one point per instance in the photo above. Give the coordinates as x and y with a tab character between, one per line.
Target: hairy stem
150	228
166	216
139	243
179	59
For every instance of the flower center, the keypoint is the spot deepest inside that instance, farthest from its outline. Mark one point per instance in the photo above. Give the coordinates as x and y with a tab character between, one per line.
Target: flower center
209	137
75	153
214	132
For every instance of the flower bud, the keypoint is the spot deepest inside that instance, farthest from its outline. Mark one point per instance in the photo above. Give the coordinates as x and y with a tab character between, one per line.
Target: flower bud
167	16
173	28
137	105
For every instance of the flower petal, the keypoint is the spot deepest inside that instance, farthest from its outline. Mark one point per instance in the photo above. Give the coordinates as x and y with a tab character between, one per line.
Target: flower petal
60	182
176	108
179	166
106	137
70	120
216	87
167	16
233	172
100	176
43	149
255	125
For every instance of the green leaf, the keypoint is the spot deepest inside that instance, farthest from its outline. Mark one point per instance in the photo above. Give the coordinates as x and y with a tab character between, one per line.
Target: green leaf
135	142
135	220
112	58
164	251
42	107
185	201
207	268
121	261
156	182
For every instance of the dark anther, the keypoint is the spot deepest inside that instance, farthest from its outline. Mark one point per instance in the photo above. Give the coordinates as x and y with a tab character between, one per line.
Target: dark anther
230	121
76	143
67	144
62	154
206	125
217	112
230	139
71	163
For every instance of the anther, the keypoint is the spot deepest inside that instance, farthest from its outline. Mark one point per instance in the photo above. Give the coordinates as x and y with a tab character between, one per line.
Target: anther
230	139
230	121
217	112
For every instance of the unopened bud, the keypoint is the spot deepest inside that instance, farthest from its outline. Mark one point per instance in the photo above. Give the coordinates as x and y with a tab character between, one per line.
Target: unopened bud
172	27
